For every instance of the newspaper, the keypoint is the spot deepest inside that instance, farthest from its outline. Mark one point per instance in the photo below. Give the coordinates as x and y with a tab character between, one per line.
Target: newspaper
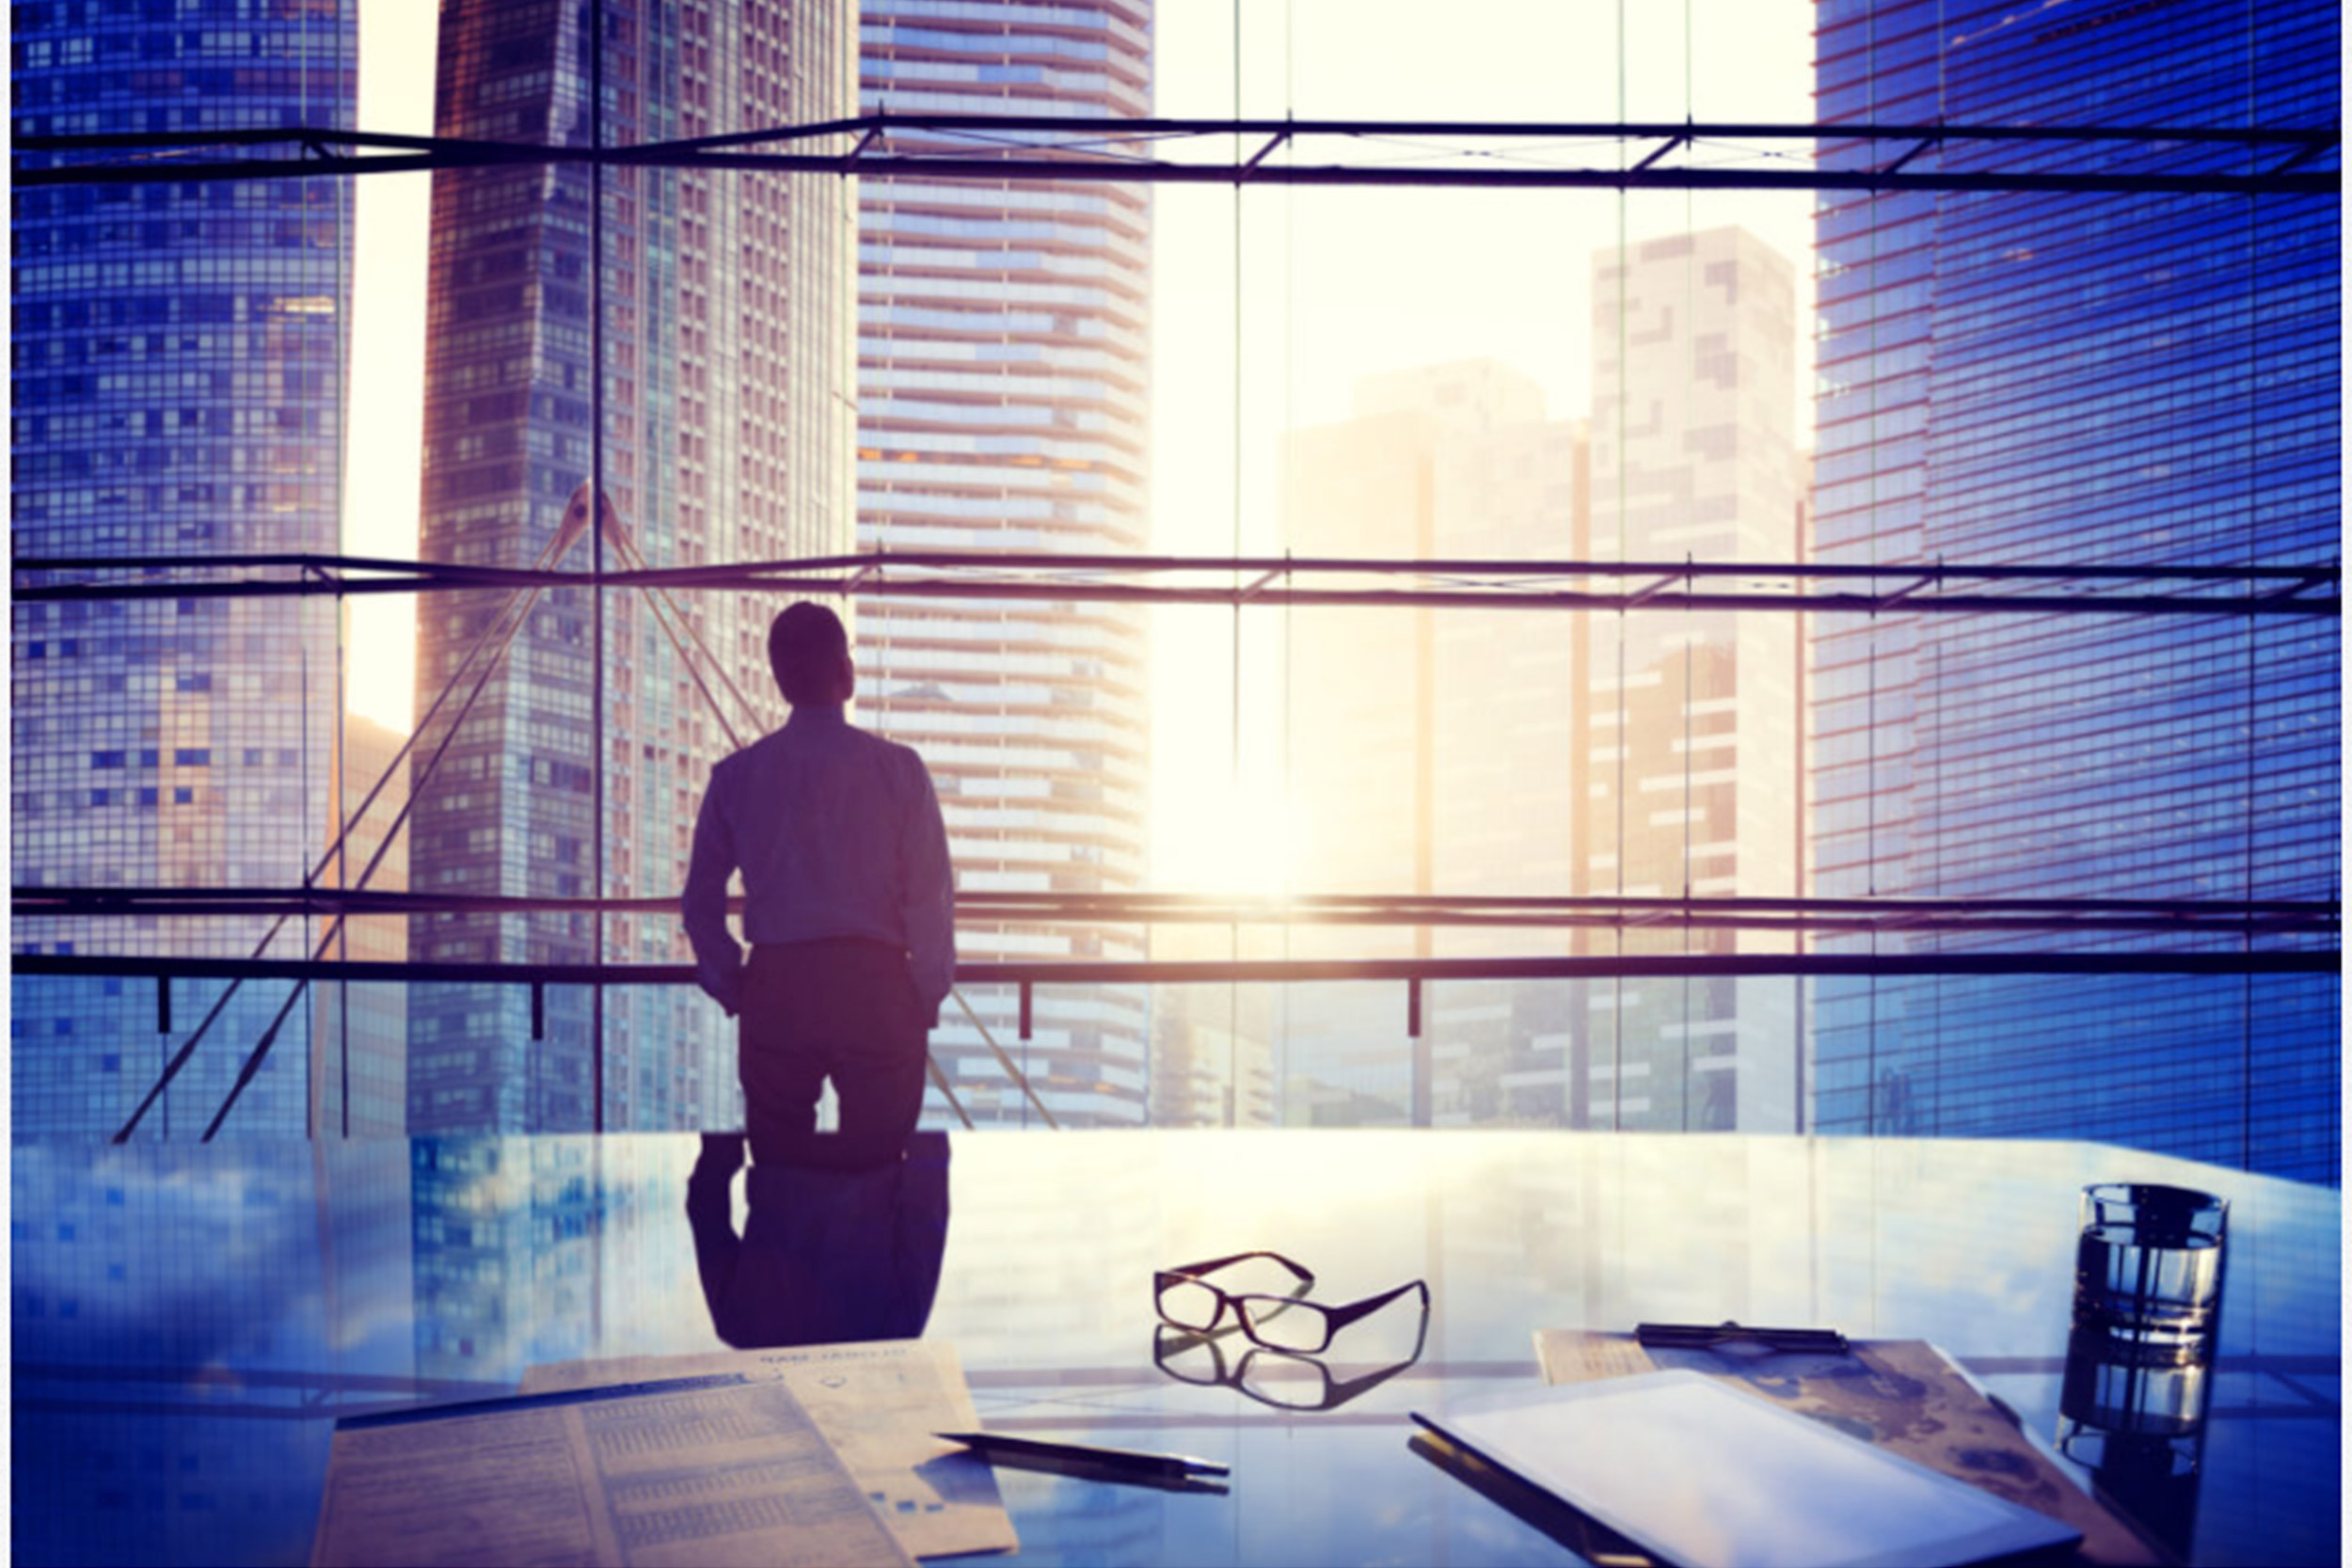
877	1404
701	1470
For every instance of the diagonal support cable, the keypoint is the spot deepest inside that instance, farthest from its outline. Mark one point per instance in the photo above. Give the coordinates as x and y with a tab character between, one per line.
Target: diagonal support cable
527	598
512	617
939	1076
260	1052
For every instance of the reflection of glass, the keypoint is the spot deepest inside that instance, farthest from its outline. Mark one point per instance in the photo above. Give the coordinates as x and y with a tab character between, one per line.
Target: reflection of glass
1284	1379
2140	1430
2148	1269
1283	1322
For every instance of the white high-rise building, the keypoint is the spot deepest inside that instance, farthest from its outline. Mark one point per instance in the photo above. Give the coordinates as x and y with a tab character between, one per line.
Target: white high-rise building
1692	749
1003	388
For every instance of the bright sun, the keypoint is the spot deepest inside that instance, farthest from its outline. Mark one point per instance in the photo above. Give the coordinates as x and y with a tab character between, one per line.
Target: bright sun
1242	838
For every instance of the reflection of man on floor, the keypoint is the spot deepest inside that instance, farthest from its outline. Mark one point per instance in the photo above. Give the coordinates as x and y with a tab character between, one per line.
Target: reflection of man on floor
848	906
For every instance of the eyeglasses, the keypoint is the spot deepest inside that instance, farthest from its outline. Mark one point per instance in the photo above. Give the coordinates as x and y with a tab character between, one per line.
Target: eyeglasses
1283	1323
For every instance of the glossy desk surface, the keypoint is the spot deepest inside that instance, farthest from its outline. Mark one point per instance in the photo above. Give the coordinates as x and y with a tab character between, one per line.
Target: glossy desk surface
188	1321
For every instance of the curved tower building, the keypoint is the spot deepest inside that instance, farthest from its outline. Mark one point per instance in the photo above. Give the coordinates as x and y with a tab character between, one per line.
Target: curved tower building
1003	382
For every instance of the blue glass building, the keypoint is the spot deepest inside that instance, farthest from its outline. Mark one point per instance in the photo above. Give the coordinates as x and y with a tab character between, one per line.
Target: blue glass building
1002	377
2042	379
178	386
714	309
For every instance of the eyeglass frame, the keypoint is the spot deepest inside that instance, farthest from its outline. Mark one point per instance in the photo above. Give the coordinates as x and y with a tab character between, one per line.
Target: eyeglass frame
1334	1318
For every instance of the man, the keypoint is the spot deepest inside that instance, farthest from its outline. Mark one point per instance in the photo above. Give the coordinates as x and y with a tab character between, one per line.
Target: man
848	904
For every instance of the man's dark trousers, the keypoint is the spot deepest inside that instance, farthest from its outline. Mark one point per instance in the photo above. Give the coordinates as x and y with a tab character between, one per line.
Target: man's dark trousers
843	1008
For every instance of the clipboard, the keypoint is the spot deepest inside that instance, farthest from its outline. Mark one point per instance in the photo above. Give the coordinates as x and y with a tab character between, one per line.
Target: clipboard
1697	1471
1904	1395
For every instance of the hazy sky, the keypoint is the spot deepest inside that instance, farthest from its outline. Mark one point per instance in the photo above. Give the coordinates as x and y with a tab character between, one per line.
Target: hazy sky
1250	339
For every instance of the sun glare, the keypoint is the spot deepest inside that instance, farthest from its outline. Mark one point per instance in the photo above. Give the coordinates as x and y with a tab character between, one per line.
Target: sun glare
1246	839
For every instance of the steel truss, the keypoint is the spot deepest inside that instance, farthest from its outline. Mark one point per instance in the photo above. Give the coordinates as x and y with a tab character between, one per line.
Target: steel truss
1595	155
1237	581
1984	917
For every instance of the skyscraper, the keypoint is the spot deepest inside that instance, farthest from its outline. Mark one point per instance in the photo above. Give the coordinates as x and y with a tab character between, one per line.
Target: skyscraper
1435	746
2079	379
180	354
717	306
1003	376
1692	721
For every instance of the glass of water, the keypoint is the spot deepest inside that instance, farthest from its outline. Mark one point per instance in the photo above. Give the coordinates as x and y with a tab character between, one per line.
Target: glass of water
2148	1270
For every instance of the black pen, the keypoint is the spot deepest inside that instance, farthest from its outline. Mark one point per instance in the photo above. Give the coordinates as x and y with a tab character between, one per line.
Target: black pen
997	1445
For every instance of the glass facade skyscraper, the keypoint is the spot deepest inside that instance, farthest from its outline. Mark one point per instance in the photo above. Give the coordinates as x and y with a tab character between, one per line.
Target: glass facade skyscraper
717	306
1003	376
2044	379
178	385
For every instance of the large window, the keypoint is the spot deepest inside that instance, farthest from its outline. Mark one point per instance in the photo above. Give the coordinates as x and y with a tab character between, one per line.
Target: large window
1772	568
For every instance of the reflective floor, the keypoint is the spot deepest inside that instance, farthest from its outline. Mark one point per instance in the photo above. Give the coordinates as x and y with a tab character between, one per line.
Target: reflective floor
188	1321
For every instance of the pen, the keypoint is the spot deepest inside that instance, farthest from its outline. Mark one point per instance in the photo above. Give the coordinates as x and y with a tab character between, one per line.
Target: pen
997	1445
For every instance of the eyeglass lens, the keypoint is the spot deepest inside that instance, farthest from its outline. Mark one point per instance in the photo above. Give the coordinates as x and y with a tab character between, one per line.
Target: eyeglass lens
1284	1322
1188	1304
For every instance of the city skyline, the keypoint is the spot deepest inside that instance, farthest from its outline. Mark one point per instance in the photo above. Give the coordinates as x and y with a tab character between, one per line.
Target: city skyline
1227	405
1554	756
2187	760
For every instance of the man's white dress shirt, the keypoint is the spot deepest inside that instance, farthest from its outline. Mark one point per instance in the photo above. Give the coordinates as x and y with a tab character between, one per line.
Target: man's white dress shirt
837	833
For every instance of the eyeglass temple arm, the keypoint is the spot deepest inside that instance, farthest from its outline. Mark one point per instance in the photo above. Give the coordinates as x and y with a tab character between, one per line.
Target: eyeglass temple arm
1339	1317
1215	1263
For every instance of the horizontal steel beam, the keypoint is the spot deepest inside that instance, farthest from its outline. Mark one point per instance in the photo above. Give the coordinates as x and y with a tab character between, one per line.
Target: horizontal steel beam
1100	151
1279	565
1235	972
2289	591
2224	917
1065	170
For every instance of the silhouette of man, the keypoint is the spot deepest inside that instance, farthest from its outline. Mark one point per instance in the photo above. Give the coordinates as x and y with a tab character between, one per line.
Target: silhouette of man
848	904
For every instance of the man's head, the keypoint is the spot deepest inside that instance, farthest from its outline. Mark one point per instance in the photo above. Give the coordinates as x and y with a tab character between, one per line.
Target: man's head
810	655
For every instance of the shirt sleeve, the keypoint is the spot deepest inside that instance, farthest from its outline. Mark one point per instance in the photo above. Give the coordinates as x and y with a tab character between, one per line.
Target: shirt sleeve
928	884
718	960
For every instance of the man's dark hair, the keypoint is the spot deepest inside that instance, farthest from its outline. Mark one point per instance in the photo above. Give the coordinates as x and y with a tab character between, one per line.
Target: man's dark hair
806	647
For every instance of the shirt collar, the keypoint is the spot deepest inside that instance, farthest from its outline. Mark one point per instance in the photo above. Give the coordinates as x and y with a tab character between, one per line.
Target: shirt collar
819	716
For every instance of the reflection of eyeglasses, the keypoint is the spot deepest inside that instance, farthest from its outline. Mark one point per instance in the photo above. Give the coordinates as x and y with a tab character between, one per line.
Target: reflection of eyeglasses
1278	1378
1283	1323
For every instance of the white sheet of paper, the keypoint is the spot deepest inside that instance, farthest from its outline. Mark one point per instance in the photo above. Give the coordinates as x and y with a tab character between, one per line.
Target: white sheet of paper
720	1471
878	1404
